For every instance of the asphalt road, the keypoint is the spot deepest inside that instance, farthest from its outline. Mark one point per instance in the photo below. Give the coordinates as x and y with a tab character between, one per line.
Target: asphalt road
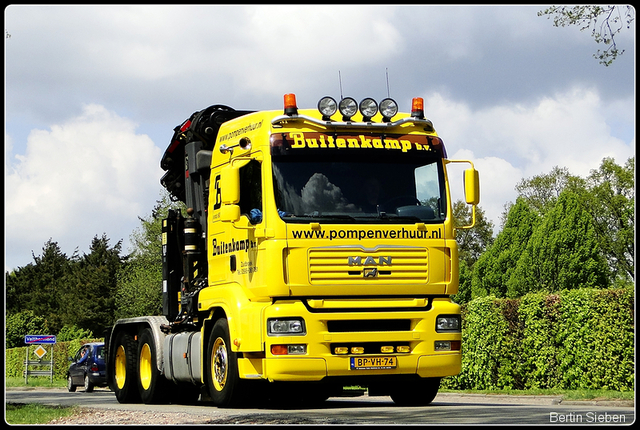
446	409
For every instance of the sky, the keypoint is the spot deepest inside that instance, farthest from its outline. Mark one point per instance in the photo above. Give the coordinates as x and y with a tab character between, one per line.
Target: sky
92	94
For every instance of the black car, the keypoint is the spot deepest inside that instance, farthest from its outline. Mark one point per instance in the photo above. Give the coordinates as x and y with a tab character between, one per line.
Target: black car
88	368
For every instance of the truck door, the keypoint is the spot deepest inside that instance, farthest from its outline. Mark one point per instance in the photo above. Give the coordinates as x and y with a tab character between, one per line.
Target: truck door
232	241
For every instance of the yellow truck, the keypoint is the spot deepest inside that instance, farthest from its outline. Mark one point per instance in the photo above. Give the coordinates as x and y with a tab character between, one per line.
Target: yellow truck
317	252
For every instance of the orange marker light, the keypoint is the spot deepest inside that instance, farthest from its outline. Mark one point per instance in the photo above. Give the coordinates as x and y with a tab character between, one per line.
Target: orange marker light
279	349
290	105
417	107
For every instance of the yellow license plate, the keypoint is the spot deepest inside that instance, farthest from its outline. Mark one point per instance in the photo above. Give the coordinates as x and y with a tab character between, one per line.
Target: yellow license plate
368	363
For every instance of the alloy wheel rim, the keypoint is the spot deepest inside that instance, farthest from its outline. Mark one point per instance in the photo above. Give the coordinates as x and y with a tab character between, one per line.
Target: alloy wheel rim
219	364
145	366
120	367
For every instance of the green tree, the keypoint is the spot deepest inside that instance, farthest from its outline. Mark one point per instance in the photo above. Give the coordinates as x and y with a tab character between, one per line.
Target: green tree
604	22
611	202
563	252
89	303
18	287
22	323
472	241
71	332
139	287
39	285
541	191
495	266
465	277
471	244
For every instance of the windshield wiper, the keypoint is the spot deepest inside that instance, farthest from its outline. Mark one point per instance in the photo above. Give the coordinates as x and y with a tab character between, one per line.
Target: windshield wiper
393	218
318	216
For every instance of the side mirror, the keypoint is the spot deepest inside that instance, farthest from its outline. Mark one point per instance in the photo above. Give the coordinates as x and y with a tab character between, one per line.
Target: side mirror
471	180
230	185
230	213
472	186
230	190
230	193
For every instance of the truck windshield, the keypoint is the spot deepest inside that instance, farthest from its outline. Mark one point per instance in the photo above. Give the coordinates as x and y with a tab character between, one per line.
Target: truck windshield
342	186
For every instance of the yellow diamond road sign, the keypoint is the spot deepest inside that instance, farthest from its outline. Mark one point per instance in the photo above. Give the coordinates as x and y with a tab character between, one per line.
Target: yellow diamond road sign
40	351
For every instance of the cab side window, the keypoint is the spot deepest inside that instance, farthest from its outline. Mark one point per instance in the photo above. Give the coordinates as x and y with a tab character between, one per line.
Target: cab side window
251	191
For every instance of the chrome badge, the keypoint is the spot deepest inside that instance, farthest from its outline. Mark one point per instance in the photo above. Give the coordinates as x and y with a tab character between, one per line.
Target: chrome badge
370	261
370	272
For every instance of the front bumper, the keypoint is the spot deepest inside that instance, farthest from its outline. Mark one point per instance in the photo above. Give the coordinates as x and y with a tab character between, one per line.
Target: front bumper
98	379
417	330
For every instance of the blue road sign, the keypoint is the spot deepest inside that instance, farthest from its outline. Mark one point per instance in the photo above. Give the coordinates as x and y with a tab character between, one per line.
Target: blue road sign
31	339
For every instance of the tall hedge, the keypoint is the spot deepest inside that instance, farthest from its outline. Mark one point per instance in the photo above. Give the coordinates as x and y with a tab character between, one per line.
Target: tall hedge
14	364
575	339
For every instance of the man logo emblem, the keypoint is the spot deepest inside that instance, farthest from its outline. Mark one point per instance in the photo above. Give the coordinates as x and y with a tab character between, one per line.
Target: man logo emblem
370	261
370	273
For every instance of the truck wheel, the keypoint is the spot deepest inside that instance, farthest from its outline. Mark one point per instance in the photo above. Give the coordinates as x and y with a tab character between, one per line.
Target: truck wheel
123	369
416	394
221	370
151	384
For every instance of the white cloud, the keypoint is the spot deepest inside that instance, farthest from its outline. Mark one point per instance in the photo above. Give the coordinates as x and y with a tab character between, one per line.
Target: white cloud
514	141
518	95
282	51
90	175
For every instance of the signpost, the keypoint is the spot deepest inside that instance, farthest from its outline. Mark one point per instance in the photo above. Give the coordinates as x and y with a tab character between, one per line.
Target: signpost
31	339
39	339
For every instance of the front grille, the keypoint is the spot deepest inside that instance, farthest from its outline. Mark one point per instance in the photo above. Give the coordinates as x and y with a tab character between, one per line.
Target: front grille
346	326
328	266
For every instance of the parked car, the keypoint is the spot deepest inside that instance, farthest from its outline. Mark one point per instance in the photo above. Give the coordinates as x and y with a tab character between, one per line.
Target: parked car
87	368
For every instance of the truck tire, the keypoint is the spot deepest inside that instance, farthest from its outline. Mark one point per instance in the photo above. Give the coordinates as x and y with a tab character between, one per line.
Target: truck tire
123	369
152	385
221	368
419	393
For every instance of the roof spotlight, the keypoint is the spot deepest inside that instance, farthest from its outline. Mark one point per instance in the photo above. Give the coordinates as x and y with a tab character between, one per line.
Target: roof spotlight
348	108
327	107
388	109
368	108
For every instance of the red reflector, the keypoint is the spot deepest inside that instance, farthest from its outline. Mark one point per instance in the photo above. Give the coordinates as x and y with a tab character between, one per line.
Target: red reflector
173	146
455	345
185	125
94	368
279	349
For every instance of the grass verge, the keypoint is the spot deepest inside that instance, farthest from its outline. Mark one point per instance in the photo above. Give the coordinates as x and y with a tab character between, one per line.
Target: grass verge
580	394
33	413
36	381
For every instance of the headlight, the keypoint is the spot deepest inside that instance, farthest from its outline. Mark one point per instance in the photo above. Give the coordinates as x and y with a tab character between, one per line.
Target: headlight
368	108
285	326
448	323
388	109
327	107
348	108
